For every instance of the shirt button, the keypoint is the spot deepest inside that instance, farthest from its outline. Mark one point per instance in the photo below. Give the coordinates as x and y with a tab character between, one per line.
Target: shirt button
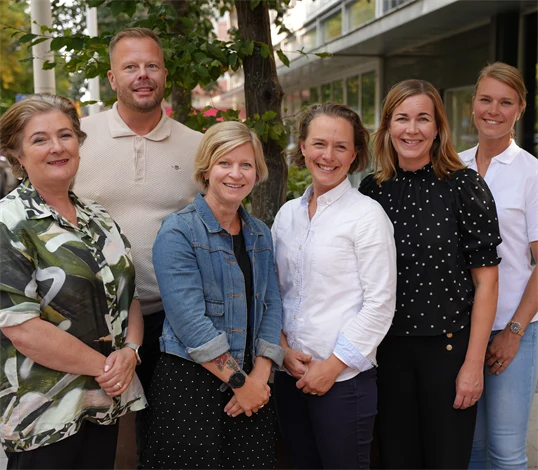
449	335
139	172
449	347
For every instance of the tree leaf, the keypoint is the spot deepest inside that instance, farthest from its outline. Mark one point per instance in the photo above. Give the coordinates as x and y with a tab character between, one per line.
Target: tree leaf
47	65
283	57
27	38
264	50
269	116
323	55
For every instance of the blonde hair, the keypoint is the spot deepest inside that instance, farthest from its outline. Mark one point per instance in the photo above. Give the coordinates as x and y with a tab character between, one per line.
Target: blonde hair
221	139
14	120
136	33
360	134
444	157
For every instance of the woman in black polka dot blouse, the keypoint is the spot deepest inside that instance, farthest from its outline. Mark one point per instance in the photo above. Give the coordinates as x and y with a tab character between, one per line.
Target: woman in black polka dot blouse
430	372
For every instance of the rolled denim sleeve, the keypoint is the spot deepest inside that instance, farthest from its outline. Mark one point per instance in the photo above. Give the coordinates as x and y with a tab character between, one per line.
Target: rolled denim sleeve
268	342
180	284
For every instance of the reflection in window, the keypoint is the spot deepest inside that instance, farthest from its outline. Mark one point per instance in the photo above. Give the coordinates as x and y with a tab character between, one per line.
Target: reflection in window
310	39
326	93
338	92
361	11
368	99
390	4
333	27
458	110
352	86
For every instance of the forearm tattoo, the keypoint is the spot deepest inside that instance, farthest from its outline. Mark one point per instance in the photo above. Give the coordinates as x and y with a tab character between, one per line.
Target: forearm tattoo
225	360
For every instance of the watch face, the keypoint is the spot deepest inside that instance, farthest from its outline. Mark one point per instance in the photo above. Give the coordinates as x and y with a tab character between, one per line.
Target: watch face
515	327
237	380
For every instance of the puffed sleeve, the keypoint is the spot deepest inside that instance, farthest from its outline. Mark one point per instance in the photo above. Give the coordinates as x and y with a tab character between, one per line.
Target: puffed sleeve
477	219
18	289
369	186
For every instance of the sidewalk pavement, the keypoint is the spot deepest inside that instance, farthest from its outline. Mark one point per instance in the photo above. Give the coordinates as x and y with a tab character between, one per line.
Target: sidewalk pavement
532	440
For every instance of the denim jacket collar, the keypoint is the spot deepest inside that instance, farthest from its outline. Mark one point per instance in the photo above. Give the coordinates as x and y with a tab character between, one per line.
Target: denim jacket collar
211	222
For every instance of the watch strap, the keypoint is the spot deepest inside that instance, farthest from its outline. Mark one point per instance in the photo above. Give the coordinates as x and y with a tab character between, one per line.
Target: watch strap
135	347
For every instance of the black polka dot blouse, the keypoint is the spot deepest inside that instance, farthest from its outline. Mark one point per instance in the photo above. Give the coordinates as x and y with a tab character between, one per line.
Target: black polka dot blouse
442	229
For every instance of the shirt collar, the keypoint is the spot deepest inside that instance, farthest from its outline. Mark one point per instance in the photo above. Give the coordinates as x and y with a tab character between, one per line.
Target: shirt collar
35	206
506	157
211	222
118	127
327	198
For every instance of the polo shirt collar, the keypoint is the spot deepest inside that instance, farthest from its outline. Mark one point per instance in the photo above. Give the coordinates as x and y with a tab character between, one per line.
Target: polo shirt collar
118	127
506	157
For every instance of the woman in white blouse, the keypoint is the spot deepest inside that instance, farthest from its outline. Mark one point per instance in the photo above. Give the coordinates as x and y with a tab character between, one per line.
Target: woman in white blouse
336	268
512	355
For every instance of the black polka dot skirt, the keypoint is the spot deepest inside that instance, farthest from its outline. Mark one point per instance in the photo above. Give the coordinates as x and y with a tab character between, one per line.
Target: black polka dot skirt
186	426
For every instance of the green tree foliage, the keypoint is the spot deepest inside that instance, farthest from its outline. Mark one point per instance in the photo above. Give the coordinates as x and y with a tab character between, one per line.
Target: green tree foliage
15	76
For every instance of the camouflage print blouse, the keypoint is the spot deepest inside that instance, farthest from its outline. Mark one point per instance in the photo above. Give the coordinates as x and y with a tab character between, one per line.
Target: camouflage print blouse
80	279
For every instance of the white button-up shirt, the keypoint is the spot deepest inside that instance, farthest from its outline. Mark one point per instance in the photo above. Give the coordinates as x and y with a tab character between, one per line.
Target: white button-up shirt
337	276
512	177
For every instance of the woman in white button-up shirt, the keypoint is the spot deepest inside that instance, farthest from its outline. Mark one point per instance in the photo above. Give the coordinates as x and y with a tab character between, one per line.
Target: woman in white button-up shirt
336	268
512	355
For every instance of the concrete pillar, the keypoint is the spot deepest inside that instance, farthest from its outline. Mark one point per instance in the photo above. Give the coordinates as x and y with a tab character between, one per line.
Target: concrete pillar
44	80
93	83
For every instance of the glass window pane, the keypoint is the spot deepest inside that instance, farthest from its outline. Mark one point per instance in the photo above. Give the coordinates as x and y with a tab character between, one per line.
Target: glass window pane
310	39
352	85
326	93
305	98
332	27
338	92
314	95
458	110
368	99
361	12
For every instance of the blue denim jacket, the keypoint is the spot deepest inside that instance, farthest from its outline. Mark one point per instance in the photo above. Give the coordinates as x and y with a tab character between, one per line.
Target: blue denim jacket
203	288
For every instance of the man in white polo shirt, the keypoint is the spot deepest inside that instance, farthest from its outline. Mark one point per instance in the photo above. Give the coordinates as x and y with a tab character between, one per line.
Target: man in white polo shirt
138	164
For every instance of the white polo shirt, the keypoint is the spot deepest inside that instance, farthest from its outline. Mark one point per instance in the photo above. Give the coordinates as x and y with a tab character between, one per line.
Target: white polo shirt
337	276
512	177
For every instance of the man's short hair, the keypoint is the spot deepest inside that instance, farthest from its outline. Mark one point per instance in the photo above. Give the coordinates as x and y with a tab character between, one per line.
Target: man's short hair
137	33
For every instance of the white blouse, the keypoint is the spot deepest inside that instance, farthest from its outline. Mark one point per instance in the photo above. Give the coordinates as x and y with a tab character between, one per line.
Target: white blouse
337	276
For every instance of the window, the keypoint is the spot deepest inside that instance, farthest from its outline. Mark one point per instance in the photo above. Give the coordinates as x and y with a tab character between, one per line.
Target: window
352	88
360	12
310	39
332	27
458	110
390	4
314	95
368	99
338	92
326	93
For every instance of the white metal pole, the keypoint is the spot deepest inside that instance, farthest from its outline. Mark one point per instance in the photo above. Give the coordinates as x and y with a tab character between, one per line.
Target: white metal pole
93	83
44	80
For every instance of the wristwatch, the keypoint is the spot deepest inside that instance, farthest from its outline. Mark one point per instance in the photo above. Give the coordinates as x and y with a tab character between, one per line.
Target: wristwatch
135	348
515	327
237	379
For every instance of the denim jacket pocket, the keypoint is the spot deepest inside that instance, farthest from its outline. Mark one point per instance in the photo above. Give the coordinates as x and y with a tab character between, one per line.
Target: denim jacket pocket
214	308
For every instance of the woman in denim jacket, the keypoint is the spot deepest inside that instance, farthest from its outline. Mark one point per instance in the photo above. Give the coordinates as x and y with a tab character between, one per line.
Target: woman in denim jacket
214	265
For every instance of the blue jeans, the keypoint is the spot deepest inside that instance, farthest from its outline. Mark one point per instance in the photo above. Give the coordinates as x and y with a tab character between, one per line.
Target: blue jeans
504	410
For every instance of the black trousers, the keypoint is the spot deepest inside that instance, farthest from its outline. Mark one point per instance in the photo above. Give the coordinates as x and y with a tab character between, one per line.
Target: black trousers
150	352
92	447
417	425
331	431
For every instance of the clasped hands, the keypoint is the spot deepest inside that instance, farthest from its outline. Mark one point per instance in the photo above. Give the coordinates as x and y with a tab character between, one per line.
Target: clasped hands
252	396
118	372
313	377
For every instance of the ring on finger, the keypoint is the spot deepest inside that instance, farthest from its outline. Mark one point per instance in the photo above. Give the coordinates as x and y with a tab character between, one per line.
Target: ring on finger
262	406
313	393
474	399
119	385
499	363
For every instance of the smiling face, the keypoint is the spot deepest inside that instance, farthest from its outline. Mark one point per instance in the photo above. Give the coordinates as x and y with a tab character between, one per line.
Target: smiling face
496	108
231	177
328	150
50	151
413	129
137	74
